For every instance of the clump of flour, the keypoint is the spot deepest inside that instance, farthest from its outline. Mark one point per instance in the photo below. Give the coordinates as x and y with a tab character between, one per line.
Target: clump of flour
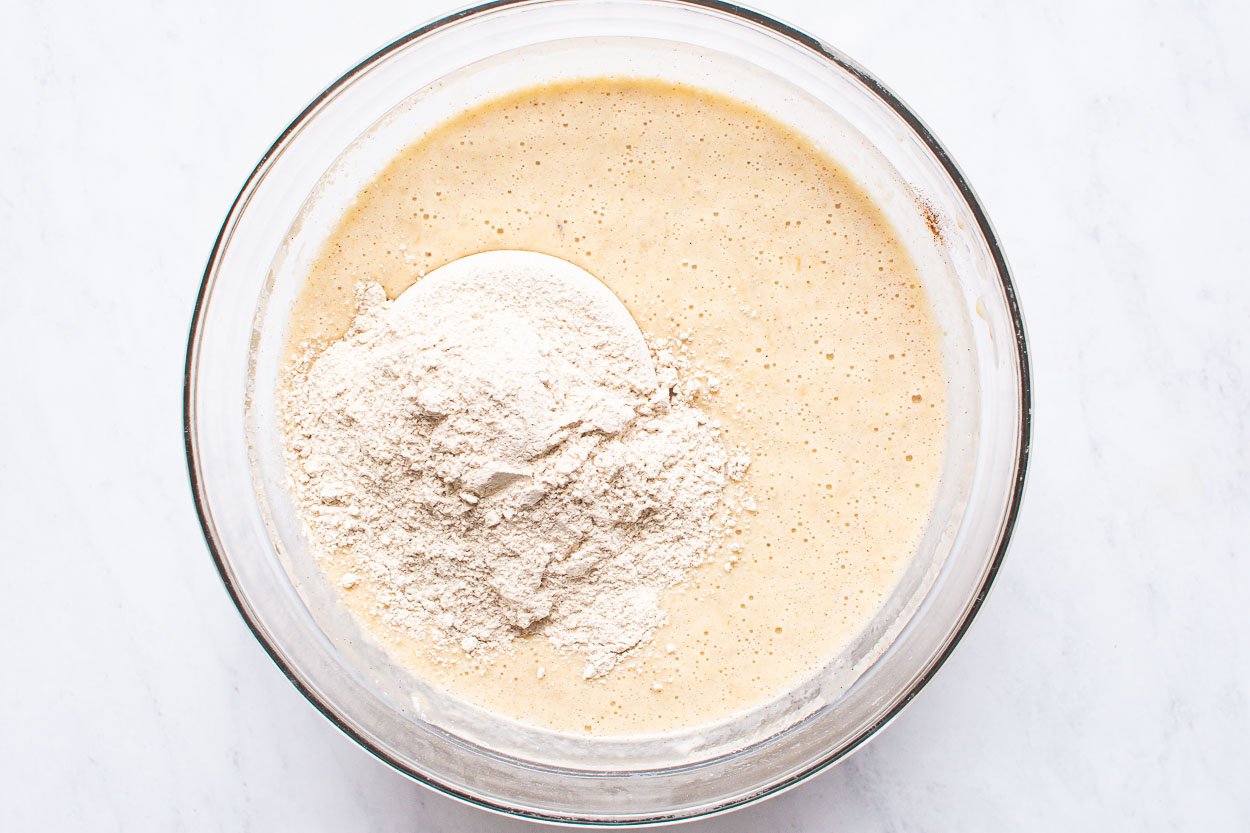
498	452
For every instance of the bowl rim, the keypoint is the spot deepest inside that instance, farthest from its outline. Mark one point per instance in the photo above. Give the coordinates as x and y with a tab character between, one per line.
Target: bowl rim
1009	517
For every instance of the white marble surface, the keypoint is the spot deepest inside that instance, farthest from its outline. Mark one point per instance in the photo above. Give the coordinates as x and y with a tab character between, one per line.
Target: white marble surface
1105	685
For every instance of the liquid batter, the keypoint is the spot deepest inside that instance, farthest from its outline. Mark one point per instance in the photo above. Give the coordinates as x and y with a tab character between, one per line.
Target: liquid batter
717	225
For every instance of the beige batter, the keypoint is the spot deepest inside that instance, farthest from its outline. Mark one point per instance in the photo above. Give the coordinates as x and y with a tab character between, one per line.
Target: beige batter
716	224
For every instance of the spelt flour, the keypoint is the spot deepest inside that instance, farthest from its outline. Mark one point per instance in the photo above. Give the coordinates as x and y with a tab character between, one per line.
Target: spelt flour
498	452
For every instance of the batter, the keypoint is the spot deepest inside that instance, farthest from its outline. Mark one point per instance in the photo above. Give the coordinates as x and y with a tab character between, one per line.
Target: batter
723	228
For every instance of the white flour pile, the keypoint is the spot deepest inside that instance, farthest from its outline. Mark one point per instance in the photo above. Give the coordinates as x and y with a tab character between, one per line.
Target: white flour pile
497	452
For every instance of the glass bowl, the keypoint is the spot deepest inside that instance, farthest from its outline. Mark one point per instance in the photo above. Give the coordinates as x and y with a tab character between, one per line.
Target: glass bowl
295	195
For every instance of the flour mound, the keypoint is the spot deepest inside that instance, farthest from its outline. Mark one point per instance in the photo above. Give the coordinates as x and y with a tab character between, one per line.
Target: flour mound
499	453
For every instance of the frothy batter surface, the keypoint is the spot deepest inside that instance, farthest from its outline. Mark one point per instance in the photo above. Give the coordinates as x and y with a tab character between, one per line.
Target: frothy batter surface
719	226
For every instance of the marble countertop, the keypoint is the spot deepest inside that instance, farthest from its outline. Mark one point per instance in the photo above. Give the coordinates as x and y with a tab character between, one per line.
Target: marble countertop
1106	684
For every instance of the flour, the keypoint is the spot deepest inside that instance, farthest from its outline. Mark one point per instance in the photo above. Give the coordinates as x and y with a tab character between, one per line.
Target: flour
498	452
